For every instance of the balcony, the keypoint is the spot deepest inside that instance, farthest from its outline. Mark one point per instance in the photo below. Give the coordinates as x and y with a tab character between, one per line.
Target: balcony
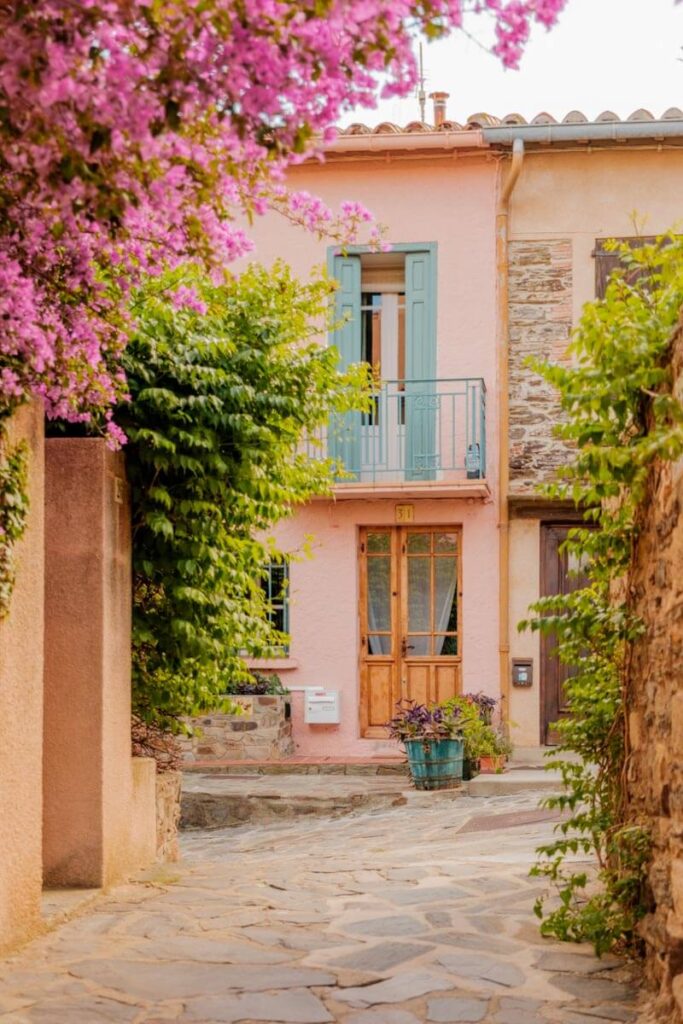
419	436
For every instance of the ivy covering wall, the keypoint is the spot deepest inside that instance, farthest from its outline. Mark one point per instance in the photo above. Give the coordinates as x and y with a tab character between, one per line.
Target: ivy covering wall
222	399
622	416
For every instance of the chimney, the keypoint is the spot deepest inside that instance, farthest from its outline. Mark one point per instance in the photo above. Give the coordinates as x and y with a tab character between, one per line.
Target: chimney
439	99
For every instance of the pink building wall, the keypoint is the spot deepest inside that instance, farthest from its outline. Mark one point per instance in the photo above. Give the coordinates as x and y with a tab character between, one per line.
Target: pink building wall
324	622
449	200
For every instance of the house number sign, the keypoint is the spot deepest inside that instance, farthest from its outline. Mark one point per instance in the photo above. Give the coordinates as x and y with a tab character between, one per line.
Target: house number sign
405	513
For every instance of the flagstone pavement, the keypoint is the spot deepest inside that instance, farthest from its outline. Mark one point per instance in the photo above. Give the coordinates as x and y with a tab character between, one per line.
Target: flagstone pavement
421	913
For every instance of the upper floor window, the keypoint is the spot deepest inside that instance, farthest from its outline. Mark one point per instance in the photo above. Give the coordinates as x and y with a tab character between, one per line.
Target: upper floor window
387	302
383	314
607	260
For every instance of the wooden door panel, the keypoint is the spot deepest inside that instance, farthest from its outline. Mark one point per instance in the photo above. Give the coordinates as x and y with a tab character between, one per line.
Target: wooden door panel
557	577
430	683
380	693
416	678
446	682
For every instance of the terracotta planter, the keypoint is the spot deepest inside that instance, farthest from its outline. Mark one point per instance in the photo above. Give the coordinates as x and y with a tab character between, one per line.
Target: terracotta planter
492	765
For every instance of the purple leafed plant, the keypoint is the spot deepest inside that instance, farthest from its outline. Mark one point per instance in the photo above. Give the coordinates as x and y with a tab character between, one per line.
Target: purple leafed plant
485	704
414	721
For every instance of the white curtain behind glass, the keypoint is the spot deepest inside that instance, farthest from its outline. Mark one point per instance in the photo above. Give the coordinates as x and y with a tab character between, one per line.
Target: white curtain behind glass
446	578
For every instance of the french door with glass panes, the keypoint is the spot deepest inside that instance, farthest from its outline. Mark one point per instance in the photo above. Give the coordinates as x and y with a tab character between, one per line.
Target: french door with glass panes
383	348
410	619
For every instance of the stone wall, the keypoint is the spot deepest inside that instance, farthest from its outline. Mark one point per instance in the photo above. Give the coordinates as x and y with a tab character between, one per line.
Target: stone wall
540	324
655	696
168	785
262	733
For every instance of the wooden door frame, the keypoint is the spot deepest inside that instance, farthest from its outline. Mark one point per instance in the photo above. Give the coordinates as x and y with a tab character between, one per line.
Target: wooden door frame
399	564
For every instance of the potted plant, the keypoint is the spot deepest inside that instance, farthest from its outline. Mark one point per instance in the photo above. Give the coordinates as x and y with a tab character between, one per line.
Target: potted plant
432	737
485	705
494	752
474	732
485	749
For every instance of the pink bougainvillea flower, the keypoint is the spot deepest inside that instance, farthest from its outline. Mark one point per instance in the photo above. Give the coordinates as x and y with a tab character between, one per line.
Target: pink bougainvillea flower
134	135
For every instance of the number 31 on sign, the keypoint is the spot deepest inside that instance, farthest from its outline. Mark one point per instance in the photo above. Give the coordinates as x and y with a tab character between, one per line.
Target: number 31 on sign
405	513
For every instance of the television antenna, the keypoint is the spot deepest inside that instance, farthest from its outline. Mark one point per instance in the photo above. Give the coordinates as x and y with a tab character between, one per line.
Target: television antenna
421	94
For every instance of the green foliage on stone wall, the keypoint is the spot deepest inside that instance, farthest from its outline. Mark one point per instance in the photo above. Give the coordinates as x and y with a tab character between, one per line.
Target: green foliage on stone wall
221	401
621	415
14	506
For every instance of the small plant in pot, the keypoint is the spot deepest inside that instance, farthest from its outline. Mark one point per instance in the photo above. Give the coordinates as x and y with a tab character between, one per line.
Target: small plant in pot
494	752
485	749
485	705
474	732
432	737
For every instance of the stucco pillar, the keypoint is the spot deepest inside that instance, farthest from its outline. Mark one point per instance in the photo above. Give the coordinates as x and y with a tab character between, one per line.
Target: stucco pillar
21	707
88	776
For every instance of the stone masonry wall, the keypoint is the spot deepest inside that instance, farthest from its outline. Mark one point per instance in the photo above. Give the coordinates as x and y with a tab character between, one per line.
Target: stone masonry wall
263	733
540	311
655	701
168	785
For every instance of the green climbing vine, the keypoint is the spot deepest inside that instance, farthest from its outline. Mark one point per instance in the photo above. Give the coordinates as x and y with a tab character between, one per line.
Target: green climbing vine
13	508
620	415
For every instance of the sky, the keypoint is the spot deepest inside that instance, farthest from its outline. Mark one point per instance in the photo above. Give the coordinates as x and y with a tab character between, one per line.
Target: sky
614	55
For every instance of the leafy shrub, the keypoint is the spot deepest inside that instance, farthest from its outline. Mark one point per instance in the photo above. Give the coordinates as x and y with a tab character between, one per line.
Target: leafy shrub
222	397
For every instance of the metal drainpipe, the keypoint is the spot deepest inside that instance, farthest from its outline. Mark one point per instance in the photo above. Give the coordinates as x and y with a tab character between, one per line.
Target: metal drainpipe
502	266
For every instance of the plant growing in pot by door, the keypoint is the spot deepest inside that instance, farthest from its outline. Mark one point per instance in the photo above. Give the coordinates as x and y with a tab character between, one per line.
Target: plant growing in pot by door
475	731
493	752
432	737
485	748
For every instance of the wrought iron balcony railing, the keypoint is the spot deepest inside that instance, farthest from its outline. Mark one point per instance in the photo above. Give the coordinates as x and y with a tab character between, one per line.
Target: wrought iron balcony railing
431	430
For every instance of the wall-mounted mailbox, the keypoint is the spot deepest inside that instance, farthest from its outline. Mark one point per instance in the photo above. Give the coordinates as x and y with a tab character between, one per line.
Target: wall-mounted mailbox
322	707
522	671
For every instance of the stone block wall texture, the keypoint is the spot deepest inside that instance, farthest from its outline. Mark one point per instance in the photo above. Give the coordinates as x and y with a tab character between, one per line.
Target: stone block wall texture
91	797
168	786
21	708
655	725
265	735
540	309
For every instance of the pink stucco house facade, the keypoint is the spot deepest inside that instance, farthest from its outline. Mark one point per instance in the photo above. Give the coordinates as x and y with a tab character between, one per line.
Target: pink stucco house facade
429	552
399	598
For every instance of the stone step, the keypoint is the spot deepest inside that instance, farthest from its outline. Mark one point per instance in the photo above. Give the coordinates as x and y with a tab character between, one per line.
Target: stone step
389	766
516	780
213	801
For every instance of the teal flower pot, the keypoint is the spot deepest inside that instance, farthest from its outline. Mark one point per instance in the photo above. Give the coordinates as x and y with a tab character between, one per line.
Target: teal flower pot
435	764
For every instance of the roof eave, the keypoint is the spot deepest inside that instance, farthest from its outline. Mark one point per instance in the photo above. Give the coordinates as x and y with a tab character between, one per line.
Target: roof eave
584	134
376	144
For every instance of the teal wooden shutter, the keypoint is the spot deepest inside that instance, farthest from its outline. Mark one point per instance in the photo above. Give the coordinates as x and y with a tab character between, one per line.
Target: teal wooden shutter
345	430
422	457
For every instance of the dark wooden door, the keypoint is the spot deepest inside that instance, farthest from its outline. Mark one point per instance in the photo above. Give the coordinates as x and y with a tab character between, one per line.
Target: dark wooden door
559	575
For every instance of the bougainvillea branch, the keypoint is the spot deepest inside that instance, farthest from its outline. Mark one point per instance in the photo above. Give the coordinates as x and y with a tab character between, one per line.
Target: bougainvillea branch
135	135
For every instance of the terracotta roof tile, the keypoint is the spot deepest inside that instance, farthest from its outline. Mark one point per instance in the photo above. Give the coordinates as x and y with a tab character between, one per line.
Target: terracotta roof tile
484	120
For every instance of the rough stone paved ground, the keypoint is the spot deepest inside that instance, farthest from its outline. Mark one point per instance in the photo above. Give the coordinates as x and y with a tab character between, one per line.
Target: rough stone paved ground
392	917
